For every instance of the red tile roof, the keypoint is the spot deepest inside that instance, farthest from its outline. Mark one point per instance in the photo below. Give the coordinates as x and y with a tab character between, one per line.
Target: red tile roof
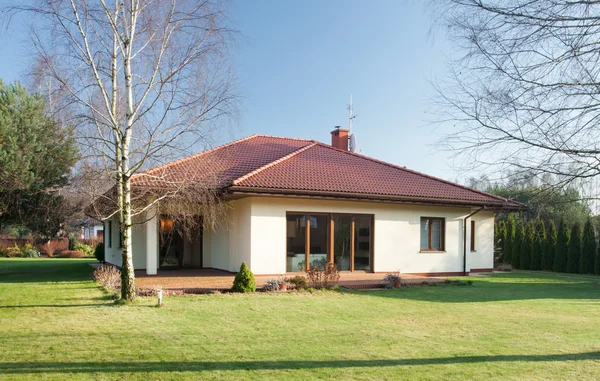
273	165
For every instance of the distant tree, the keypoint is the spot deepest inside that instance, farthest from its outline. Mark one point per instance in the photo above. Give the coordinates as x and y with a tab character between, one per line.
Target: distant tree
518	244
528	246
589	248
562	247
539	246
510	238
574	253
550	247
36	156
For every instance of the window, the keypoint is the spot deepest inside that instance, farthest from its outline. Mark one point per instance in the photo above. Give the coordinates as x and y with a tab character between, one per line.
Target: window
315	239
109	234
472	235
432	234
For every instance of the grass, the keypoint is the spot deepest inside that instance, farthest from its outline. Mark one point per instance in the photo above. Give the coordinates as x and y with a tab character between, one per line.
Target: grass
57	324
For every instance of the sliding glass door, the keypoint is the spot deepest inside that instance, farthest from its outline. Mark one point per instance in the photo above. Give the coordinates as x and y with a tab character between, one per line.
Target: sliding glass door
315	239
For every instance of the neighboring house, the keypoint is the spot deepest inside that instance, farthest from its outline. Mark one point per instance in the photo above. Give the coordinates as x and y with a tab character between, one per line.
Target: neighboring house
91	229
296	203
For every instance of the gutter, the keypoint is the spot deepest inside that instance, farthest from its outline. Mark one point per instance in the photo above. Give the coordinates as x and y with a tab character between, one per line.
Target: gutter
465	238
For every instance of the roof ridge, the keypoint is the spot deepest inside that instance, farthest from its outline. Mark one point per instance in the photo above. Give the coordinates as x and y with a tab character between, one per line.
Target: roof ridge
273	163
193	156
417	173
285	137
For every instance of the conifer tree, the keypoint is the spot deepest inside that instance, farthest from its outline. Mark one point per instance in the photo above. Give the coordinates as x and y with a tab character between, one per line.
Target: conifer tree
528	243
562	247
574	253
550	249
517	245
500	238
510	238
589	248
597	263
539	247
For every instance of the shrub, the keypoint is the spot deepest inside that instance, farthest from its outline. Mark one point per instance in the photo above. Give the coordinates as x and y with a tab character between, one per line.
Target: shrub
528	246
99	252
562	247
323	277
517	245
273	284
73	243
589	248
550	249
87	250
14	251
299	282
539	246
574	252
28	251
244	280
392	280
510	238
70	254
108	276
2	252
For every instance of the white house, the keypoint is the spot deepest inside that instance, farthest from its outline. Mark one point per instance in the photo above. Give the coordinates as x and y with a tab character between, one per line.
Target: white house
299	203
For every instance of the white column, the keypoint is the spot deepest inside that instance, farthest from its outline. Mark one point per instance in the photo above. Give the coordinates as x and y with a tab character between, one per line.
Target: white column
152	241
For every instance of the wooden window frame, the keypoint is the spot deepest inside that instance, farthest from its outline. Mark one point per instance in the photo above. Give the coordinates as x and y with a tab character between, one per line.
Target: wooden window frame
330	237
442	232
473	233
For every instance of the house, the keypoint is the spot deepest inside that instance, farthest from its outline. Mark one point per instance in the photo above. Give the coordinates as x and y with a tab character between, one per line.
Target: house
298	203
91	229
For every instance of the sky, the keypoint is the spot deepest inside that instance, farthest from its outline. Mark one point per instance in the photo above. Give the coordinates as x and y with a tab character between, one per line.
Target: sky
298	62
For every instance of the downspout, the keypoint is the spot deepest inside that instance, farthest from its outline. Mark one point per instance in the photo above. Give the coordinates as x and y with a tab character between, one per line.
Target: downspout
465	238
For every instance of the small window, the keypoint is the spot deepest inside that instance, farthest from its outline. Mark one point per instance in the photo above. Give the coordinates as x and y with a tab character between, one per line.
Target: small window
472	235
109	235
432	234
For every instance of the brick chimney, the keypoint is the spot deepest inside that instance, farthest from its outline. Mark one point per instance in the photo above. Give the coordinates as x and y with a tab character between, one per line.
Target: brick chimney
339	138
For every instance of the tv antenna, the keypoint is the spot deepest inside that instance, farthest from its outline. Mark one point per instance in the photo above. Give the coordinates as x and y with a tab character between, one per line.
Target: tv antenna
351	138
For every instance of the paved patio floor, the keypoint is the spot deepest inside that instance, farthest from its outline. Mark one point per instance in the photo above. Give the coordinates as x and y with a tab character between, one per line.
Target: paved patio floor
204	280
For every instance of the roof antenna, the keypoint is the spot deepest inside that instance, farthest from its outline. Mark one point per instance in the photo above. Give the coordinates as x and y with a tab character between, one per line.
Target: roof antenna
351	138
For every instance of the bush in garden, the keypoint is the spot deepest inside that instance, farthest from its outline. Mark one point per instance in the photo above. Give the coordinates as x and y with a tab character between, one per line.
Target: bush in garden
562	247
273	284
392	280
517	245
73	243
528	245
574	253
499	239
70	254
539	246
28	251
589	248
323	277
299	282
550	247
508	243
108	276
14	252
2	252
87	250
597	263
99	252
244	280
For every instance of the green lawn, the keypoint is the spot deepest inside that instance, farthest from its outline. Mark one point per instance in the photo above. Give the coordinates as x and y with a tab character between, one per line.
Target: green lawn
57	324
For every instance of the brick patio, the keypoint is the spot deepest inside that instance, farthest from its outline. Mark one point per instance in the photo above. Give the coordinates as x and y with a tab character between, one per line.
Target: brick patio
206	280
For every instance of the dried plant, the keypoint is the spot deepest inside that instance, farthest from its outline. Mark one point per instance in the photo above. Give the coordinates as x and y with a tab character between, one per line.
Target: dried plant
108	276
323	277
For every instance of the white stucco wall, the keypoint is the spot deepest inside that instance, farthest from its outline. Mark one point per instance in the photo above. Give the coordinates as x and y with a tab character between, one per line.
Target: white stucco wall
396	234
113	253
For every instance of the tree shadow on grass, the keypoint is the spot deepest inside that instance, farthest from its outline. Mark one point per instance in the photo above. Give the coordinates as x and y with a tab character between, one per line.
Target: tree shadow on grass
197	366
503	287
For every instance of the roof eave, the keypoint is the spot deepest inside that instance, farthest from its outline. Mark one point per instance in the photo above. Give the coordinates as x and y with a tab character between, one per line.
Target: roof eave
505	207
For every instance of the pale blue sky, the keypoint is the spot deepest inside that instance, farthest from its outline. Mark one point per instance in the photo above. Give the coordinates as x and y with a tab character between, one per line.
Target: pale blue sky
300	60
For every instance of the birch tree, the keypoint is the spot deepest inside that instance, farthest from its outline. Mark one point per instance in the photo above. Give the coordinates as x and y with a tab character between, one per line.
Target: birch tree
523	86
144	80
